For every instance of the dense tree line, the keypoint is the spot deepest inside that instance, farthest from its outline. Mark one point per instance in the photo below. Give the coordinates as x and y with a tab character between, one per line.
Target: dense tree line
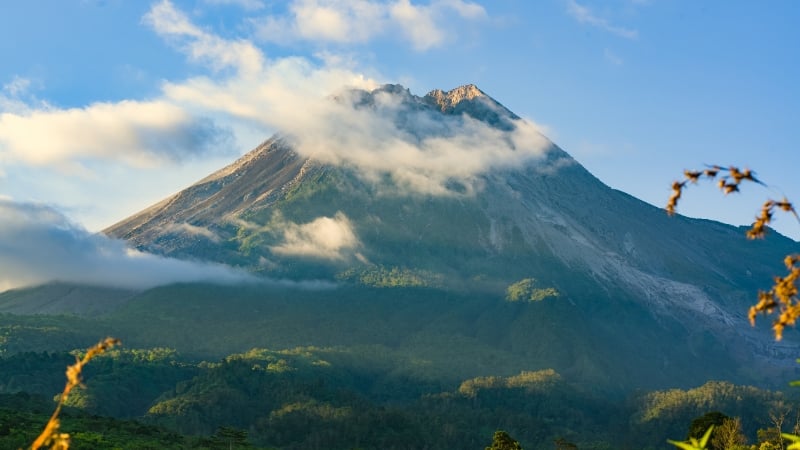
310	398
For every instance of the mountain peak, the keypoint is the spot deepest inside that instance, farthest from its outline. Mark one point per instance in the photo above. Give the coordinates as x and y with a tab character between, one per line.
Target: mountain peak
447	101
470	100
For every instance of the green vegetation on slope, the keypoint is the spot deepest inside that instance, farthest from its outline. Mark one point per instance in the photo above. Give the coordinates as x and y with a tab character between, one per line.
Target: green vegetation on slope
392	277
526	290
341	398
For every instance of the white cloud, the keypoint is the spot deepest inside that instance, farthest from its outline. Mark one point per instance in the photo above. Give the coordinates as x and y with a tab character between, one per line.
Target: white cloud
358	21
441	148
193	230
418	24
138	133
337	21
293	95
584	15
324	237
286	92
201	46
38	244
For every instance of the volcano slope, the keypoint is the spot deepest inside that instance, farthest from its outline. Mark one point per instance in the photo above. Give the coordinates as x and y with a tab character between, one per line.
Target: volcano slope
493	252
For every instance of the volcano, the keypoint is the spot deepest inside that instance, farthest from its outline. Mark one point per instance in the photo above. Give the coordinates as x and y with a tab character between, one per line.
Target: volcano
491	250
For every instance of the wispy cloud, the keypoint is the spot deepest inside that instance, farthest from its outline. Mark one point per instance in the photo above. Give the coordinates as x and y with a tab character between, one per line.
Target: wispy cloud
39	244
16	97
324	237
137	133
358	21
293	95
202	46
192	230
17	86
584	15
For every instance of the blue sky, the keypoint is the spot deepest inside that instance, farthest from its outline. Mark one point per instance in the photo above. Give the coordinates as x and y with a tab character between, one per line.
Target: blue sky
108	106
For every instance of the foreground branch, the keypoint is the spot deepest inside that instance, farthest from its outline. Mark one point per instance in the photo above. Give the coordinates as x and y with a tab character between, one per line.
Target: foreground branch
51	437
783	295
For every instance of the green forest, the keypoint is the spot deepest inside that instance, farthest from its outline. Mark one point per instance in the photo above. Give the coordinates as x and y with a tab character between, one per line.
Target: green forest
343	398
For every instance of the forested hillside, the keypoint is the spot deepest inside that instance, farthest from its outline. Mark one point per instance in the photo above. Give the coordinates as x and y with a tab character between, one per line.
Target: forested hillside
334	398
